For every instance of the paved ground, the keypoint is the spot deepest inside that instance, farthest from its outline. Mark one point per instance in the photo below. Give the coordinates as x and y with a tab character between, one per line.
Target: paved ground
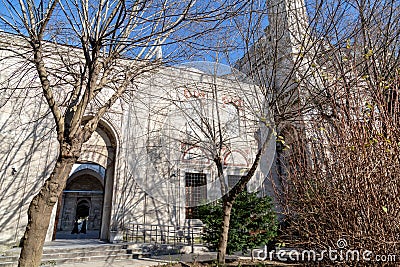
144	262
119	263
73	243
204	256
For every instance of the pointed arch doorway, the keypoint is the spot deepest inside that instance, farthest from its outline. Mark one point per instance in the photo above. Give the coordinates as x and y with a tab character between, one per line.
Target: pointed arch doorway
87	196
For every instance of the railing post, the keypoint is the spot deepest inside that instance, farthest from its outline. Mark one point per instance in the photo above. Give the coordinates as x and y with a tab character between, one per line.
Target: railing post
151	232
192	241
156	233
167	239
174	236
144	234
137	233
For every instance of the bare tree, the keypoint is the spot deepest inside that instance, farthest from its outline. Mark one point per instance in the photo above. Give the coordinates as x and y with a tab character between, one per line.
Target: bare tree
341	176
85	55
279	59
219	123
300	64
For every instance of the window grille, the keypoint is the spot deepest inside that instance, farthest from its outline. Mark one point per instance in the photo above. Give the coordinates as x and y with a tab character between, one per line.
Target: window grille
196	192
233	180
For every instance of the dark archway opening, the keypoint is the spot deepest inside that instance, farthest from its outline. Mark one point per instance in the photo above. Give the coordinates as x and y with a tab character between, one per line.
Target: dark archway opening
98	156
83	209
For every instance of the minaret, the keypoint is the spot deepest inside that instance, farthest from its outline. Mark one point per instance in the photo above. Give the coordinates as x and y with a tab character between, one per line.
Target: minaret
288	40
278	59
288	24
285	43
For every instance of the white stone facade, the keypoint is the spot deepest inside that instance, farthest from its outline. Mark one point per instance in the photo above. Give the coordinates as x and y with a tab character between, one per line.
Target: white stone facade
136	166
147	146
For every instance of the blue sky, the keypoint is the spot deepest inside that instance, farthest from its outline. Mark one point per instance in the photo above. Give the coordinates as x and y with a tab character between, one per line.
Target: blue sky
201	44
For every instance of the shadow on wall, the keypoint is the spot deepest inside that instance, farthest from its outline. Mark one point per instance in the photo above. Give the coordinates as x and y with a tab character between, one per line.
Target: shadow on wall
27	155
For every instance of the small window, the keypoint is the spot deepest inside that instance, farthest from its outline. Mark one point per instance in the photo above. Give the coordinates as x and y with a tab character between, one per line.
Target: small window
233	180
196	193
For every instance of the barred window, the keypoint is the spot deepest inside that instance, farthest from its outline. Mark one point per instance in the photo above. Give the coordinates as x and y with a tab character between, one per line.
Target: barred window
233	180
196	192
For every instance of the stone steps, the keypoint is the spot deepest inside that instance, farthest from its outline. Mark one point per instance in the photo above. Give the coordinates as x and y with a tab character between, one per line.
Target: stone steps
59	255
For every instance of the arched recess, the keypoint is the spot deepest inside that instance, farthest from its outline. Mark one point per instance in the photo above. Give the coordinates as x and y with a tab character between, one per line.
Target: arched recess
195	155
100	150
82	199
83	208
236	158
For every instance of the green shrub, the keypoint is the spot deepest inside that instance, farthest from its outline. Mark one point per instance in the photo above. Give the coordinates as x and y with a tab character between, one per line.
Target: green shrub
253	222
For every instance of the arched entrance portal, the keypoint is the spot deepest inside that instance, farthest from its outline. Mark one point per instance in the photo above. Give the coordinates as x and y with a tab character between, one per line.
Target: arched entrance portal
82	203
87	196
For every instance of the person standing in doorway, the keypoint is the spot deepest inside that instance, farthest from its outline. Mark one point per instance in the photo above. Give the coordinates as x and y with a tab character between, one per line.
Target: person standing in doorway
83	229
75	230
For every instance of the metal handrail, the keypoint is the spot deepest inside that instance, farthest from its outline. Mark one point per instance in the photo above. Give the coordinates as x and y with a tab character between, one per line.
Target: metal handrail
163	234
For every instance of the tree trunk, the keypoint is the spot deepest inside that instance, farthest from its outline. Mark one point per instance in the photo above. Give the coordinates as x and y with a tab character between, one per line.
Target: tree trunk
223	240
230	197
39	213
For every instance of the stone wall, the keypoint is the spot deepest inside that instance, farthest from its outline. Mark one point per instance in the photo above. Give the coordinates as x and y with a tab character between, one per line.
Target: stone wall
137	141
